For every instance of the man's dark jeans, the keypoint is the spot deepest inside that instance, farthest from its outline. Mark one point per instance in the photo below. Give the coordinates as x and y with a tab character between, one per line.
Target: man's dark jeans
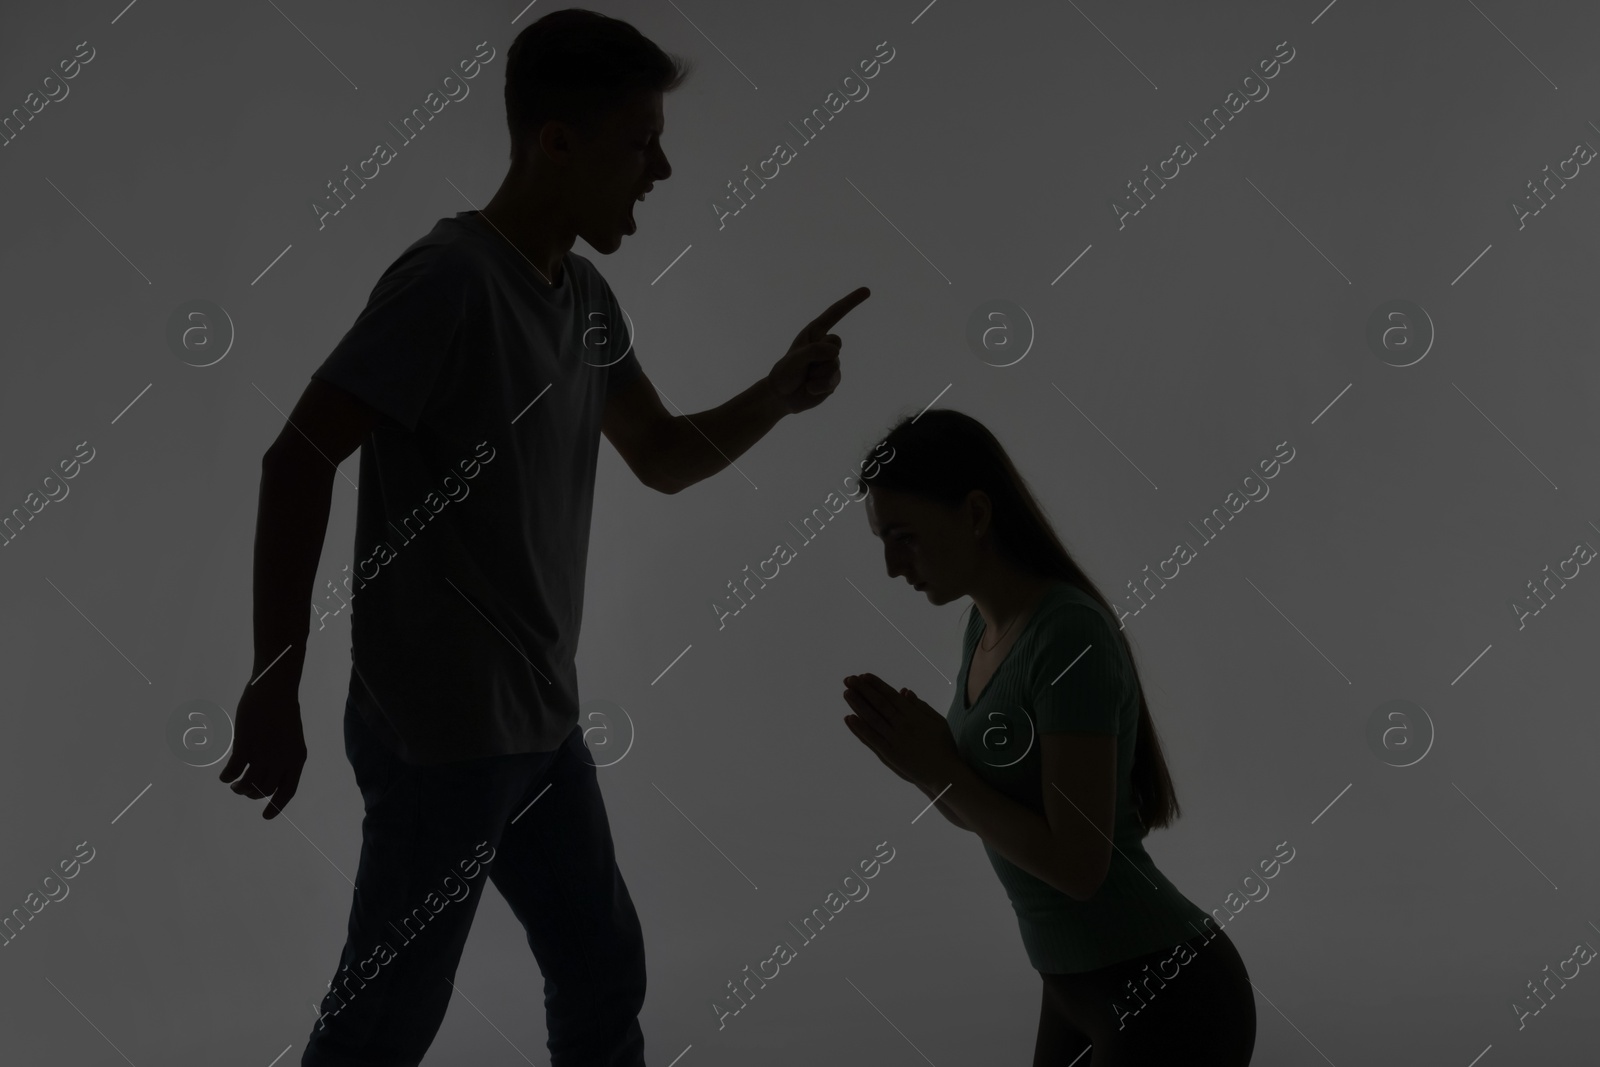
425	837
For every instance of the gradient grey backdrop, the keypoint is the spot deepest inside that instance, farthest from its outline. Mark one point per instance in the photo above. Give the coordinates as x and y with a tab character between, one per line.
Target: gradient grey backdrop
1170	358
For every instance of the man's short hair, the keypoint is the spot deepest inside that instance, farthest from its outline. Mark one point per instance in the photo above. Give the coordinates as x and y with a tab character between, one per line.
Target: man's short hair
575	66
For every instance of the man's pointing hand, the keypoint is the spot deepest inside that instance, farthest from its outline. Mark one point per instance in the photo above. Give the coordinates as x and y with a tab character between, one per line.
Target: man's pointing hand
809	372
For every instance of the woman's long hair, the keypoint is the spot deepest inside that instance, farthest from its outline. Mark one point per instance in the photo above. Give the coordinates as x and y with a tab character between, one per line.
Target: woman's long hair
943	455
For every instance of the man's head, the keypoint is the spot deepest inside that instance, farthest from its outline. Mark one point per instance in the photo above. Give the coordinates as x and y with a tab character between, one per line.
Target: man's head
583	106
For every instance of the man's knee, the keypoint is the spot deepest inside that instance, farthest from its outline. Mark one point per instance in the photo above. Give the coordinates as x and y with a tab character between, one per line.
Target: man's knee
615	971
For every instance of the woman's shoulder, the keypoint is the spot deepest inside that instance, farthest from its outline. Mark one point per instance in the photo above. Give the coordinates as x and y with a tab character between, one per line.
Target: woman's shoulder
1070	605
1065	607
1071	616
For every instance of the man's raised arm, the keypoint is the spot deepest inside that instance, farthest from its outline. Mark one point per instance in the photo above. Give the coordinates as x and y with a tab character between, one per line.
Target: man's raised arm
671	453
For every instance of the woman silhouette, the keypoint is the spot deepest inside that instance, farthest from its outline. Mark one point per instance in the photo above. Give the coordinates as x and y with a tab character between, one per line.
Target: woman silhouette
1049	754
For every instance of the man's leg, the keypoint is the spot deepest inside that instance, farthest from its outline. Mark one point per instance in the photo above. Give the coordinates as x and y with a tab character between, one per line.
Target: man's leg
557	871
425	837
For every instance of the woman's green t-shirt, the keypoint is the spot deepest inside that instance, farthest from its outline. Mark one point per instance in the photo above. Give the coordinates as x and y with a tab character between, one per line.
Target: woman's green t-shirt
1068	671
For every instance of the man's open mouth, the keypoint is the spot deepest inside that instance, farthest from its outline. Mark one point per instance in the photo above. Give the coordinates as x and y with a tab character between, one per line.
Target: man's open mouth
632	226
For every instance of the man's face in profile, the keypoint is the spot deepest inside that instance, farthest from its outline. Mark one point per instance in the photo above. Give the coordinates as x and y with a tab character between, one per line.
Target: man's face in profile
607	172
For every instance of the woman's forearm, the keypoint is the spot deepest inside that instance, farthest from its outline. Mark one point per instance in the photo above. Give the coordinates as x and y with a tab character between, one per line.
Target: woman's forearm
944	808
1020	834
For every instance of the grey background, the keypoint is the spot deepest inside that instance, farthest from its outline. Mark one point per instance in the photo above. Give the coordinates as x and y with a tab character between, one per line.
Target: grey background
1214	326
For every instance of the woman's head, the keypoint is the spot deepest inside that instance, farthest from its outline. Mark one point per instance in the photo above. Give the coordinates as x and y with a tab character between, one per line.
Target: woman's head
948	502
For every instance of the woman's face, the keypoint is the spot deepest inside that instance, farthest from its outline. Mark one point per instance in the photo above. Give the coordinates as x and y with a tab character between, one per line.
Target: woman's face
931	546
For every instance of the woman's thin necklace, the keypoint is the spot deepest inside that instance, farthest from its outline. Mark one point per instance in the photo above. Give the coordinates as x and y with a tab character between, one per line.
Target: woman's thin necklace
1002	636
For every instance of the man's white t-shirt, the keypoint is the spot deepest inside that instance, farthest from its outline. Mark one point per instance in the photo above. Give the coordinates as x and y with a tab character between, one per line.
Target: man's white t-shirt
472	531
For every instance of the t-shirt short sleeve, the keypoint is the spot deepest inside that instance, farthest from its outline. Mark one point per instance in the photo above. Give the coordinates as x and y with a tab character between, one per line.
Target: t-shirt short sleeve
1076	680
623	373
620	373
391	357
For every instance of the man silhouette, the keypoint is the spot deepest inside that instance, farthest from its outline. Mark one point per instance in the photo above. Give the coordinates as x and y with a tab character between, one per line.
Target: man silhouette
477	382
